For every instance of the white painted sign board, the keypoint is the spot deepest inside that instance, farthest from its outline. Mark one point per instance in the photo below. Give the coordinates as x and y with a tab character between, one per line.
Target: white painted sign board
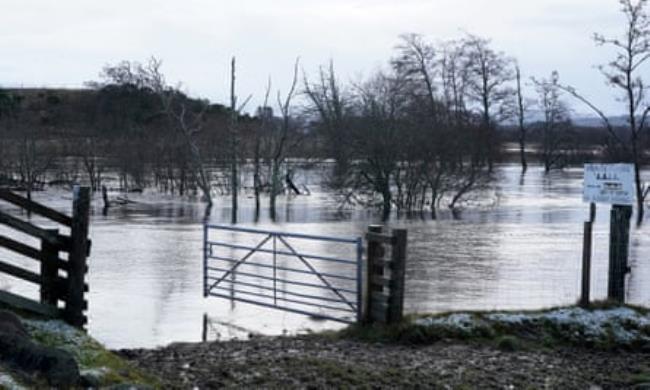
609	183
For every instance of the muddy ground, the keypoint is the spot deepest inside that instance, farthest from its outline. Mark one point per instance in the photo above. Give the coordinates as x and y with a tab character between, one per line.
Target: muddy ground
331	362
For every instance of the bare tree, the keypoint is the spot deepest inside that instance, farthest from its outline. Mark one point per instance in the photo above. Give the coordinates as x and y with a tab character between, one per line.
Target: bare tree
33	161
233	134
139	100
488	86
623	74
280	142
265	114
92	162
331	105
416	62
185	120
455	81
520	114
189	125
234	145
378	139
412	135
556	122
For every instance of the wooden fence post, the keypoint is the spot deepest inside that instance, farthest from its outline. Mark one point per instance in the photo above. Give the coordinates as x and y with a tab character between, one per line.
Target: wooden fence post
75	302
586	264
49	271
618	252
375	254
385	292
204	330
398	270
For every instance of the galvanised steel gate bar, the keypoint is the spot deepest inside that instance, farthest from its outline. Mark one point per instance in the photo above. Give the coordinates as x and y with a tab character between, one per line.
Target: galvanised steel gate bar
320	285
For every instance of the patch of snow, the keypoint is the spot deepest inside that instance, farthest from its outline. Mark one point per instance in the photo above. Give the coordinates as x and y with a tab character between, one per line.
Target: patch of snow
65	332
8	382
95	372
461	321
509	318
623	324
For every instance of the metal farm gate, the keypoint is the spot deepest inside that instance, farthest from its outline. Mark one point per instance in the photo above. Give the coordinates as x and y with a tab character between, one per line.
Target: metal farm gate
313	275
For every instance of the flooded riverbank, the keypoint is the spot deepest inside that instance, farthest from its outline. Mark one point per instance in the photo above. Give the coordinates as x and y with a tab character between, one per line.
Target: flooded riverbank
518	248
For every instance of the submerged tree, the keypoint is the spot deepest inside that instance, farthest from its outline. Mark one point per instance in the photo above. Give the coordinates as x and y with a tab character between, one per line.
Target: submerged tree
378	136
555	125
150	102
490	74
91	159
412	135
233	134
283	140
265	117
331	105
414	138
33	160
520	114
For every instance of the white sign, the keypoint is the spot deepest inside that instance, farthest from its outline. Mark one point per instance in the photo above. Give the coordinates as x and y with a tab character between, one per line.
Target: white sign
609	183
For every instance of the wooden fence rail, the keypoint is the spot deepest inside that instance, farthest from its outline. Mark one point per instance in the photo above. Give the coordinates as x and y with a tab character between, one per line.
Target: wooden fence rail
54	289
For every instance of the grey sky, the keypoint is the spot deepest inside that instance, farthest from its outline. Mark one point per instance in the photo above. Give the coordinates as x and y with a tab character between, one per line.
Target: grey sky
66	42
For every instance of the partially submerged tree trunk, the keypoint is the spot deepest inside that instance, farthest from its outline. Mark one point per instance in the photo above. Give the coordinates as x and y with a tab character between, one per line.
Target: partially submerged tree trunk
234	145
233	133
521	120
265	114
278	155
555	125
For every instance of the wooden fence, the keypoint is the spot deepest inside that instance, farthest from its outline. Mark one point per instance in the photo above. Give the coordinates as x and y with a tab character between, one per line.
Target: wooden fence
385	278
54	288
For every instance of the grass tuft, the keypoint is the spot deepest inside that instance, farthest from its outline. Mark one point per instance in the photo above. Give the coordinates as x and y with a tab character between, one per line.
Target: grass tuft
508	343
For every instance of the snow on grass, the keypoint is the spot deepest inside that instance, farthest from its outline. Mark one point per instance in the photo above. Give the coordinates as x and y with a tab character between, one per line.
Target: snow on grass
460	321
94	360
57	332
7	382
619	325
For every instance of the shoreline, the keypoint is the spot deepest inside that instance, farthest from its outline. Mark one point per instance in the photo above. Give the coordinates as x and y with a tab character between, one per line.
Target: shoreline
460	350
600	347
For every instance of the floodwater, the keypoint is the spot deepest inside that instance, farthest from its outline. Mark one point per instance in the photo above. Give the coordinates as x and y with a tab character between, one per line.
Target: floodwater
518	247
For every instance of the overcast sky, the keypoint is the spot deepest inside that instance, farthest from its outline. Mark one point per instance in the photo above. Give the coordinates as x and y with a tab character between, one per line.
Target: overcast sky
67	42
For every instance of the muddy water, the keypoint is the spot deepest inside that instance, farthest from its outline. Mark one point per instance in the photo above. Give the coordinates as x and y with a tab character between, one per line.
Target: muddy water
520	248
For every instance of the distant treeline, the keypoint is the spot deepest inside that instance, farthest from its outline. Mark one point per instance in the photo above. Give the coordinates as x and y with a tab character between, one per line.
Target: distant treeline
85	133
426	131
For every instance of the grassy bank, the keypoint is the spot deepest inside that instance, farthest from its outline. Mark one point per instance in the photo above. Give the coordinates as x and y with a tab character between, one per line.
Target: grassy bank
602	327
567	348
558	348
98	366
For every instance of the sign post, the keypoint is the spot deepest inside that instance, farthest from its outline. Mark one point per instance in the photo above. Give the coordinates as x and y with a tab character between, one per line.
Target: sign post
609	184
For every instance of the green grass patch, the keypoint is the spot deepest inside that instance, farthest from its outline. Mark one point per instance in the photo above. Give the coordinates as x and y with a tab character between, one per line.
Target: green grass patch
91	356
509	343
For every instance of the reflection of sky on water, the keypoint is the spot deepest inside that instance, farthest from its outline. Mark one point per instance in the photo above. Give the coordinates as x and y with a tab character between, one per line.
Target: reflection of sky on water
524	251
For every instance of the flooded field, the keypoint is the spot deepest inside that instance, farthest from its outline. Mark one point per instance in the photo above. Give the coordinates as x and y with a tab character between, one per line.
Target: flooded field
520	249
